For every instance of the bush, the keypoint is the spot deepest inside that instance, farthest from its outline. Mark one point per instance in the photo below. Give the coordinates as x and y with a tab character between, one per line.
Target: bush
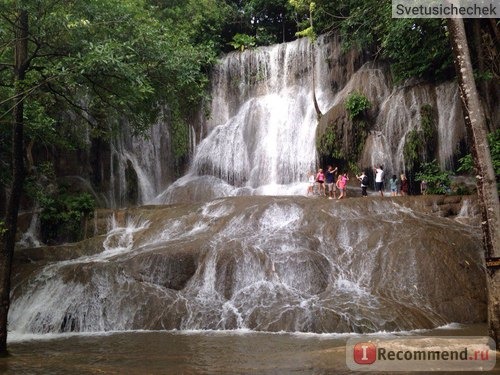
356	103
242	41
438	181
63	216
467	163
327	144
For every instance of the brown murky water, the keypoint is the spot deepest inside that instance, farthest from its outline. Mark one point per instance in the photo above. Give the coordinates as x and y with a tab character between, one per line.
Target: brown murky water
196	352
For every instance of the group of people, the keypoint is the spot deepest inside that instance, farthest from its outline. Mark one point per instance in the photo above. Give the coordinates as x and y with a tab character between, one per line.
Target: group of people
397	186
328	184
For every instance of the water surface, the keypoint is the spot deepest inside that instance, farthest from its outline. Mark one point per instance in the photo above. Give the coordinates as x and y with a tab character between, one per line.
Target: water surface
191	352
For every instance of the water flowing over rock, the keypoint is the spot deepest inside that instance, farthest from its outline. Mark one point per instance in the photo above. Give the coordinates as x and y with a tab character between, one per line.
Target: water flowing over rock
261	136
260	263
140	166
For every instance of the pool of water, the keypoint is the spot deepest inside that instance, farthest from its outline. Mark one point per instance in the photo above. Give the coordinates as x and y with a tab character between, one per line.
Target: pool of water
191	352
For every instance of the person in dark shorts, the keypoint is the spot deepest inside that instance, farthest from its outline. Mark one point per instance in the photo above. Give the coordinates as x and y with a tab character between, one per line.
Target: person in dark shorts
363	178
320	179
379	179
330	182
404	185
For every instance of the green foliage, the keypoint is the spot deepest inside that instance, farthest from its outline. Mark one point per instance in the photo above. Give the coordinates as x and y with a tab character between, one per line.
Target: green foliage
355	104
308	33
417	48
467	163
180	139
62	216
98	61
421	144
63	213
483	76
353	167
265	37
427	123
243	41
327	144
494	143
412	148
414	47
270	21
3	228
205	24
307	8
438	181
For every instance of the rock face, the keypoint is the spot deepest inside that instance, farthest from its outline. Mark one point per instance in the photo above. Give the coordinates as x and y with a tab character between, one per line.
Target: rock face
261	263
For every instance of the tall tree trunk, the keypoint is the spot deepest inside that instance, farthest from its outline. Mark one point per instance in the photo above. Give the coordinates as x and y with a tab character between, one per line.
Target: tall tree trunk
485	176
483	85
20	61
313	58
315	100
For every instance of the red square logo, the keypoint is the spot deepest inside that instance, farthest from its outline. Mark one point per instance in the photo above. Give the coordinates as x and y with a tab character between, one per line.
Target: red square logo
365	353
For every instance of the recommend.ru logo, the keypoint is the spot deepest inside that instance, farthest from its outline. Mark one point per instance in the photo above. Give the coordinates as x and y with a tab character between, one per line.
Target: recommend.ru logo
422	353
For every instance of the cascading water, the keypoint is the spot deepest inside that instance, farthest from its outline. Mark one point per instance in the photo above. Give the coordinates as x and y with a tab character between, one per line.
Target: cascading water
261	133
261	136
148	157
400	113
266	263
260	263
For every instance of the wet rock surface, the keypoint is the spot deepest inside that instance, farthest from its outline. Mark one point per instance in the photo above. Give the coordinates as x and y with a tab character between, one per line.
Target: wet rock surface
262	263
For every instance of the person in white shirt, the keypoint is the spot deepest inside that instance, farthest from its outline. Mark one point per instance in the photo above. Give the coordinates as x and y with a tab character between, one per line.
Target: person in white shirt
379	179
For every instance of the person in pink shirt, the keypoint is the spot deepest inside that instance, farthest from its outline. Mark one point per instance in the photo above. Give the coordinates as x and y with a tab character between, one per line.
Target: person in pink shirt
320	179
342	185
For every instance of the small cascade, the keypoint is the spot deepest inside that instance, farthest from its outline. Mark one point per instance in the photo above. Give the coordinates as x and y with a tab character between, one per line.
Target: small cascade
451	126
469	213
400	114
30	238
140	166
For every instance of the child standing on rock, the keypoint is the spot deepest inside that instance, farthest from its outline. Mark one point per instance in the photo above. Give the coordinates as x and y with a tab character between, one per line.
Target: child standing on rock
363	178
320	179
342	185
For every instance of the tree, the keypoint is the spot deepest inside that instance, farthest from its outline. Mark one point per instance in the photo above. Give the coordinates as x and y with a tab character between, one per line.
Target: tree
21	63
309	7
414	47
485	176
101	60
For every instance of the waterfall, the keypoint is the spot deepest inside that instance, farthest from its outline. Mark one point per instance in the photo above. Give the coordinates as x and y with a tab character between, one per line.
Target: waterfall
260	137
140	162
451	126
30	238
400	114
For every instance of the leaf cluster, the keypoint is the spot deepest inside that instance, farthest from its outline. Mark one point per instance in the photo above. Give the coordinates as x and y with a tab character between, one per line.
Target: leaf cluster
62	216
466	164
438	181
242	41
356	104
